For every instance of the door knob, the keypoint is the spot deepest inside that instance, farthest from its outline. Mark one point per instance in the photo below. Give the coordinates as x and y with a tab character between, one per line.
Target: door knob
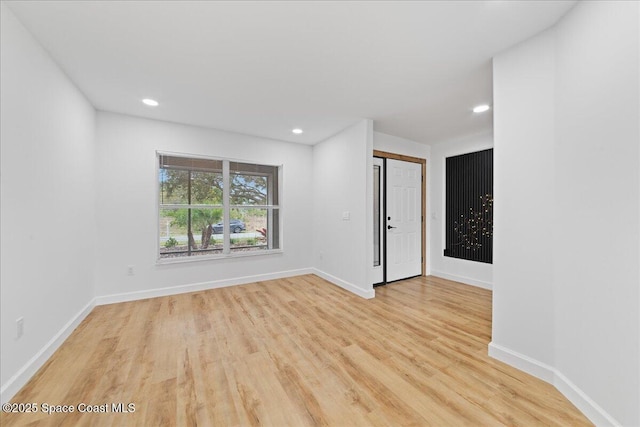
389	227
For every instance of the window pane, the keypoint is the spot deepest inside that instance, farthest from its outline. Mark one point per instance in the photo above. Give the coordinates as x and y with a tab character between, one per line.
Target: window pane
248	190
178	227
203	222
376	215
256	232
174	185
173	228
253	184
275	234
206	188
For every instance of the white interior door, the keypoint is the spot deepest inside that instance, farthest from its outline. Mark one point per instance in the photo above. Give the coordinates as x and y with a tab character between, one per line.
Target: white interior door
404	220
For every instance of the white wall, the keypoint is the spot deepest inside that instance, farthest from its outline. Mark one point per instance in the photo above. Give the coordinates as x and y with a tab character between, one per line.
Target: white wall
524	193
567	216
596	176
342	182
406	147
47	201
397	145
126	208
461	270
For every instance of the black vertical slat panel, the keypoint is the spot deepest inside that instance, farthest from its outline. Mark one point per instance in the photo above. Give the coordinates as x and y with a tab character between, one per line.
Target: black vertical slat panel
469	223
489	185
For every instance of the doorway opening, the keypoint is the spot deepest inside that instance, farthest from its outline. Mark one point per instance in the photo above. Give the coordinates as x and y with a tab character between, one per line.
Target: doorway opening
399	208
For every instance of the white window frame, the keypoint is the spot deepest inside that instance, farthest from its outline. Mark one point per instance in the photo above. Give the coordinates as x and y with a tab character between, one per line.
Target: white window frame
226	208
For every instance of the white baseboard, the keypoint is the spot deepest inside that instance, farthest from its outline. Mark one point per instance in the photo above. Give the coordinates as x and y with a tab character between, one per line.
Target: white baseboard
195	287
463	279
364	293
522	362
583	402
24	374
547	373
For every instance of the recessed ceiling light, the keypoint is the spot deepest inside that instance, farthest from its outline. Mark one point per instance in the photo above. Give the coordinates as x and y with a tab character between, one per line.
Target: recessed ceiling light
481	108
297	131
150	102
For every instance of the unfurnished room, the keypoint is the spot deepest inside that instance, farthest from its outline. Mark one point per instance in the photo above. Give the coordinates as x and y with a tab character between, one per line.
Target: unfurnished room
320	213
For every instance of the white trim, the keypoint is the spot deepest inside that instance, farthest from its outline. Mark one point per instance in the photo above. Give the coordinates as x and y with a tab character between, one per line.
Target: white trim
24	374
226	210
520	361
547	373
194	287
364	293
462	279
196	258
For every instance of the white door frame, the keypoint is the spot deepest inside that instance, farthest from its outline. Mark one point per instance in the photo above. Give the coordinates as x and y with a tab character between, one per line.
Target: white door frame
423	162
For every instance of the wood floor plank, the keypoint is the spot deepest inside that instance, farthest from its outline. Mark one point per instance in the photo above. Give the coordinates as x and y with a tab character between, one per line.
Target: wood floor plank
293	352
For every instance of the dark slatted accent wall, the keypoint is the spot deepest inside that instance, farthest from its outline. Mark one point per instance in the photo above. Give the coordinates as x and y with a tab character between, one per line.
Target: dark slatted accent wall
469	206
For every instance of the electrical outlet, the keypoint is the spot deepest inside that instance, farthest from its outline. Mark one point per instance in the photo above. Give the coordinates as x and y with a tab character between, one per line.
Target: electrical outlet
19	327
130	270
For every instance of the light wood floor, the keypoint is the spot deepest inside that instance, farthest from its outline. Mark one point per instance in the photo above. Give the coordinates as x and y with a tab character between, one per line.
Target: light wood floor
294	352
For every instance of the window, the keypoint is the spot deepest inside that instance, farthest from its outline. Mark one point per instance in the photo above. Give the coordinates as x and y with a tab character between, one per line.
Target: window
216	207
469	206
376	215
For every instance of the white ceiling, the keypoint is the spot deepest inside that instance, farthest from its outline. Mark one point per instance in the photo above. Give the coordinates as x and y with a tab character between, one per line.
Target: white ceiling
263	68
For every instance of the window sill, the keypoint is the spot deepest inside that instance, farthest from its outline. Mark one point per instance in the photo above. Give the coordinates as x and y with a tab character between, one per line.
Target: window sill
169	261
